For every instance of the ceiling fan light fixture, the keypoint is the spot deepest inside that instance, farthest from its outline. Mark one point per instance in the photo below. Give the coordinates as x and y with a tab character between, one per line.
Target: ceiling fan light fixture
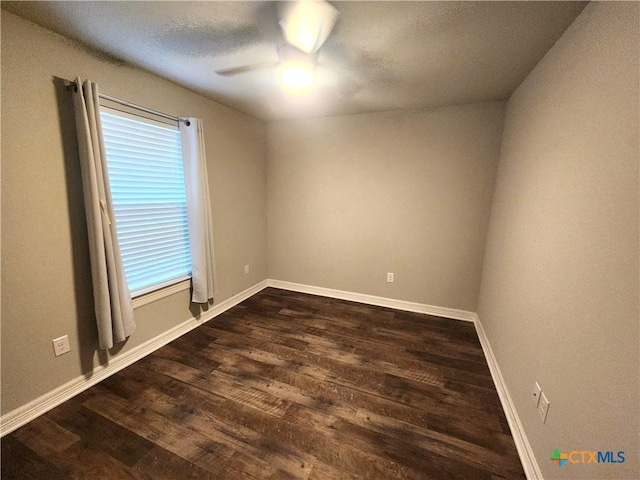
298	75
303	32
306	24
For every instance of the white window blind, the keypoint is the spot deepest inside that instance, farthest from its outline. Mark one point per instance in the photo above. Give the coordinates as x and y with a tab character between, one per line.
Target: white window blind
146	175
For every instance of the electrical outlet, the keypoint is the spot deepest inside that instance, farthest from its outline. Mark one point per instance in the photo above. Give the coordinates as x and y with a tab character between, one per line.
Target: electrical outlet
535	394
543	407
246	269
61	345
390	277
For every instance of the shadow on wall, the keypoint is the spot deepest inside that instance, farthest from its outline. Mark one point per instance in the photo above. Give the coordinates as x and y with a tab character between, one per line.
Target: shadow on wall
87	334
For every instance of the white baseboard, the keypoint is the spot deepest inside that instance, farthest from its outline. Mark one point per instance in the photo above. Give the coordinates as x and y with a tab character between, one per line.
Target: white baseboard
373	300
24	414
525	452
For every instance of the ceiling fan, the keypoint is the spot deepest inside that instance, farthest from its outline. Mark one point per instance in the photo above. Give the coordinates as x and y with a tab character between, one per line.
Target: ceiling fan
306	25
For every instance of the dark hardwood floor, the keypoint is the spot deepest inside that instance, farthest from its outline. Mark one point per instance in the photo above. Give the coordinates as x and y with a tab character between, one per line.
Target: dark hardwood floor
285	386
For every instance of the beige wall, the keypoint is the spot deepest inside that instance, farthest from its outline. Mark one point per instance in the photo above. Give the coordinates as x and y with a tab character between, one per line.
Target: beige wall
559	296
352	198
45	270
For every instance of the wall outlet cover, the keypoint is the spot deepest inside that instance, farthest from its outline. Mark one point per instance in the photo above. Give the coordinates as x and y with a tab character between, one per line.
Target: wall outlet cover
61	345
543	407
535	394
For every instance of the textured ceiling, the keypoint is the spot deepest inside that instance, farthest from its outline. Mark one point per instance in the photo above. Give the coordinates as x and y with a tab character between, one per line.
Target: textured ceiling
380	55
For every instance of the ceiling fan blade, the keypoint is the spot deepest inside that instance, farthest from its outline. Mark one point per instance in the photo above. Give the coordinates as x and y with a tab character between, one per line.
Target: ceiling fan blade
230	72
306	24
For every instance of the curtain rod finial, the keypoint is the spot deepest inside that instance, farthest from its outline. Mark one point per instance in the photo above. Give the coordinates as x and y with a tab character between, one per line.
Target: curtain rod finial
69	84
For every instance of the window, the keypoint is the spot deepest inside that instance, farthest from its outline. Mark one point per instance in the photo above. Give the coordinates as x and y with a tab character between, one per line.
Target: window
144	160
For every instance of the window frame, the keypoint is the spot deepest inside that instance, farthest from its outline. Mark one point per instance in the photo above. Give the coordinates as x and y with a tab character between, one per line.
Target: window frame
170	286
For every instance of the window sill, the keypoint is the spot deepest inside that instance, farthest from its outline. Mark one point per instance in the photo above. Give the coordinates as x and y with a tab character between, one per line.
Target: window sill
151	297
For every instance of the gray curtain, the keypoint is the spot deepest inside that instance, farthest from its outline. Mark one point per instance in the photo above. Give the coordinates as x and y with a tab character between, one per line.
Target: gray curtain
196	182
111	296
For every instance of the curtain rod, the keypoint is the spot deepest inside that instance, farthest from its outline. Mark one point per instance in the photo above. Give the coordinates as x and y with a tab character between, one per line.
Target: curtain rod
71	83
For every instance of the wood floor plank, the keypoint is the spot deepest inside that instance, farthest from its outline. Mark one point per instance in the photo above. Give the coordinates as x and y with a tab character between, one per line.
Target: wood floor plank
82	461
280	457
285	386
46	437
170	435
20	462
160	464
98	433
